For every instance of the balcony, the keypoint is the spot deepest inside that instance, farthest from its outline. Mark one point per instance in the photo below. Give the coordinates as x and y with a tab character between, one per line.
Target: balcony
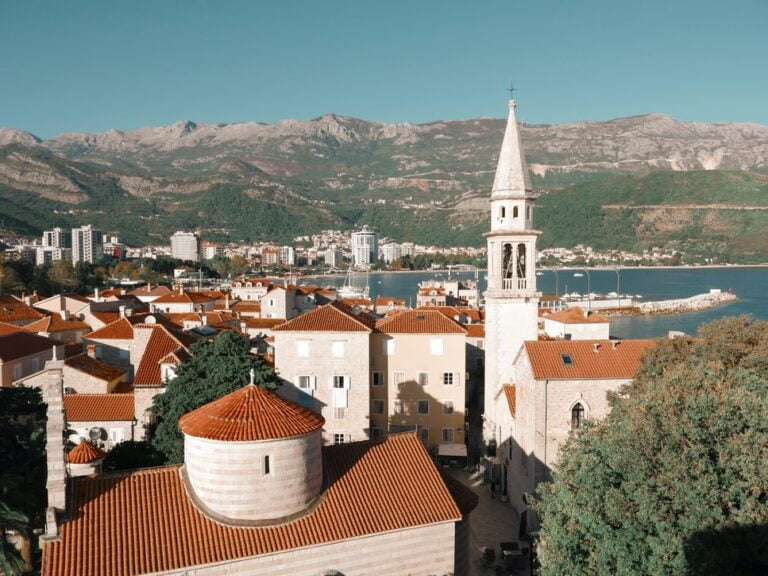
514	284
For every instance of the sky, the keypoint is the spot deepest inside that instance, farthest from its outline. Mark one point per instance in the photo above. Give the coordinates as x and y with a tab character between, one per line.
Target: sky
91	66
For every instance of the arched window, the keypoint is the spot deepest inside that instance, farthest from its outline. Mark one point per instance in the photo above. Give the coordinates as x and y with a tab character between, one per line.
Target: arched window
577	416
514	212
502	212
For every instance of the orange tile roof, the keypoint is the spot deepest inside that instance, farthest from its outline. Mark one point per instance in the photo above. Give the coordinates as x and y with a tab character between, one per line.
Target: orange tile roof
93	367
21	344
384	301
161	343
14	310
475	330
361	302
250	413
333	317
120	329
186	297
147	523
56	323
590	359
419	322
6	328
263	322
511	393
576	315
245	306
99	407
84	453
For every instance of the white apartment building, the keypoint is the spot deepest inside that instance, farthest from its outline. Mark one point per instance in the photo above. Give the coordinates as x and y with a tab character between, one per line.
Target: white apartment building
287	255
48	254
391	252
87	244
333	257
57	238
365	247
185	246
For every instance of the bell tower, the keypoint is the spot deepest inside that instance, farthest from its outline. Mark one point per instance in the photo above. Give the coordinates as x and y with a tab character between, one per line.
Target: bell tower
511	300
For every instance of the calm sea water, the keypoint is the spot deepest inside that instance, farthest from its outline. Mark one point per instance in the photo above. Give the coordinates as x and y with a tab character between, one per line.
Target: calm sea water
749	284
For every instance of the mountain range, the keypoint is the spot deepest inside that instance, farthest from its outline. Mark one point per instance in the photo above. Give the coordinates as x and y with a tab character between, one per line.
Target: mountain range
624	183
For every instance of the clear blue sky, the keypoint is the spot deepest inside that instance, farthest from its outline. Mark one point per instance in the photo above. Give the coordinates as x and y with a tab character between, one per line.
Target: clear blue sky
92	65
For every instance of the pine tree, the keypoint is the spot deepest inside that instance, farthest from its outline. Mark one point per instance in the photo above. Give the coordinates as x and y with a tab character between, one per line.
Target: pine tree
675	480
216	368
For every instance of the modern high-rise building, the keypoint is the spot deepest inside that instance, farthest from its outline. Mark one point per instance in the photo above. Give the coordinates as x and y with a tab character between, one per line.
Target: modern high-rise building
365	247
391	252
87	244
185	246
287	256
333	257
57	238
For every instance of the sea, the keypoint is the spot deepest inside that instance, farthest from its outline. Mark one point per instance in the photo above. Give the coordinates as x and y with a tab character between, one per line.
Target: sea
750	284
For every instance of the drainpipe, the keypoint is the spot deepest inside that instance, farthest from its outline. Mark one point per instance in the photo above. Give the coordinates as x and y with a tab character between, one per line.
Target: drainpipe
546	410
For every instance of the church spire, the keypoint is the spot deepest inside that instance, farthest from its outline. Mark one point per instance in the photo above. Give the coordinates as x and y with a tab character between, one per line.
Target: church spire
511	172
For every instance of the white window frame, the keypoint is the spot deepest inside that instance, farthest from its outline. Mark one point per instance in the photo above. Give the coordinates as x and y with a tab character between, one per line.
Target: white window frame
451	379
448	407
381	378
340	381
339	413
311	381
338	348
422	378
302	348
379	407
340	438
447	438
436	346
398	378
398	409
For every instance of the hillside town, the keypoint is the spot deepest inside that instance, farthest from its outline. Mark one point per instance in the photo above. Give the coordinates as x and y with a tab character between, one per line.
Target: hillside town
464	400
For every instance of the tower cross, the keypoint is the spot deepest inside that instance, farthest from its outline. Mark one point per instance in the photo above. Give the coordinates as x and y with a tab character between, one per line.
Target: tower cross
511	91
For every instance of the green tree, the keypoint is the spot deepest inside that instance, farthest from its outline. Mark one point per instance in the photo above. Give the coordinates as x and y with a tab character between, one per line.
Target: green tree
238	265
216	368
675	480
131	455
22	474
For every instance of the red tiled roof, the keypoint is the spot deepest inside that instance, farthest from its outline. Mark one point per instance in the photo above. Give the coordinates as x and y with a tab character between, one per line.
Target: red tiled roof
120	329
161	343
384	301
245	306
511	393
92	367
14	310
352	302
56	323
84	453
147	523
263	322
590	359
99	407
186	297
475	330
419	322
248	414
21	344
576	315
333	317
6	328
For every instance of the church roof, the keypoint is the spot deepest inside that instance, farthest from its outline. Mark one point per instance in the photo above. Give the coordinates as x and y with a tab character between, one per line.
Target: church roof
84	453
147	524
511	171
249	414
586	359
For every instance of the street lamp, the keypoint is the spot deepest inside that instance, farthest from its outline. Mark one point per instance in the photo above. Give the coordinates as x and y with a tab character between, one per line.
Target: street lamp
618	287
589	289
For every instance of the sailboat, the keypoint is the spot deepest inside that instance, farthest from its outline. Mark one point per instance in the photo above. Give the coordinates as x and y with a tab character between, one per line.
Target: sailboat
349	290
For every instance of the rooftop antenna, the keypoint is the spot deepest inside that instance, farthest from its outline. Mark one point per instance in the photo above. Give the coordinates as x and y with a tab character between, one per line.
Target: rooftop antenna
511	91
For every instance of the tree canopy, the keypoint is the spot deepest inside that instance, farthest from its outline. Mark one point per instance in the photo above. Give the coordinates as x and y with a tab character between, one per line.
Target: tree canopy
675	480
216	368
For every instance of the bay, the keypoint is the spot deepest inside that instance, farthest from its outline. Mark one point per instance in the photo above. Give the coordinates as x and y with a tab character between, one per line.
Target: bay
750	284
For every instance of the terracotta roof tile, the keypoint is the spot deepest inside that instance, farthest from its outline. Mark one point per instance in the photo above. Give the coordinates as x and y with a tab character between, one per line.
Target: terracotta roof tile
577	315
84	453
120	329
361	302
161	343
475	330
93	367
263	322
384	301
333	317
6	328
99	407
419	322
511	393
56	323
14	310
149	524
250	413
21	344
586	359
186	297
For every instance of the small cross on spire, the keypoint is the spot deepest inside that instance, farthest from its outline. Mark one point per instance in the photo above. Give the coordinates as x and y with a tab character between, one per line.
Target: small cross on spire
252	375
511	91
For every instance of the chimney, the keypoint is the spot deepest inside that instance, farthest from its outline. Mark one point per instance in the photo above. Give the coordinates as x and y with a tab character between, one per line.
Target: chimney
64	314
149	286
122	292
614	344
586	313
128	312
91	350
596	347
122	311
226	301
97	295
204	319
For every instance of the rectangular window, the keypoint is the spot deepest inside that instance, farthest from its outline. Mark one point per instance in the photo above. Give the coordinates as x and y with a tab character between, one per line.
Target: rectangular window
305	382
340	438
398	407
436	346
422	407
116	435
389	347
341	381
398	378
448	407
423	378
337	348
378	378
449	379
424	435
378	407
302	348
339	413
35	364
266	465
448	435
17	371
377	433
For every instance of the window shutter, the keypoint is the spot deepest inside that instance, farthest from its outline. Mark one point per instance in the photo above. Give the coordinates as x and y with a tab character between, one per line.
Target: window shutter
347	382
314	382
457	378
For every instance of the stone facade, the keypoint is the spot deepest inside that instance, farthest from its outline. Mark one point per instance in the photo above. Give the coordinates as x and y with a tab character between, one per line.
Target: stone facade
143	398
425	551
111	432
311	365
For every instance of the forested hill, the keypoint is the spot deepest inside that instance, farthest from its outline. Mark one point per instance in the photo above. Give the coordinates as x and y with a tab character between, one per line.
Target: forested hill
608	184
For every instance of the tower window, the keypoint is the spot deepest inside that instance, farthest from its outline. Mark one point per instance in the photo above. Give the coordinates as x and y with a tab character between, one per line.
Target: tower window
514	212
502	212
529	212
577	416
266	465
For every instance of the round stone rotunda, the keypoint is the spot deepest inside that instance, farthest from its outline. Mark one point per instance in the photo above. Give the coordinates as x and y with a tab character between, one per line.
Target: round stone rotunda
252	457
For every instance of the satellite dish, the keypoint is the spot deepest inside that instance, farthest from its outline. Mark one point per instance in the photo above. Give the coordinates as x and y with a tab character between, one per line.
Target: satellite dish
94	434
150	320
